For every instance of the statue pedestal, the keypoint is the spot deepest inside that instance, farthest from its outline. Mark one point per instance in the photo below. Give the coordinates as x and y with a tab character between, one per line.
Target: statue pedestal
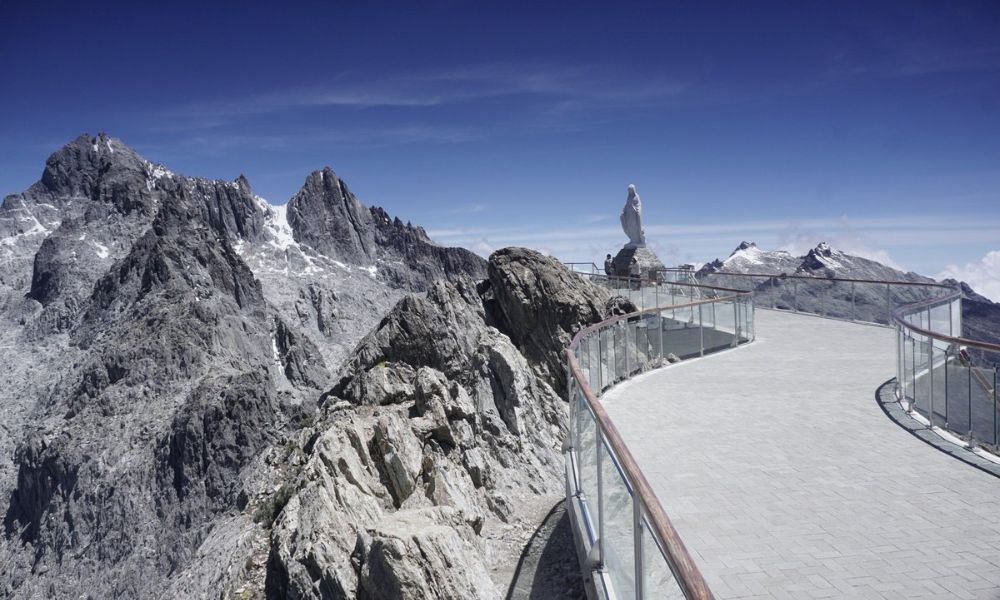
649	263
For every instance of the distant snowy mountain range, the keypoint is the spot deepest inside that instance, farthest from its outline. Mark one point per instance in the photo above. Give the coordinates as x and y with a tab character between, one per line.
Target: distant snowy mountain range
981	316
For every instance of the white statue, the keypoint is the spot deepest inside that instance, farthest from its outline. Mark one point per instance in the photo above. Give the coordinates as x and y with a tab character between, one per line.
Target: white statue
632	220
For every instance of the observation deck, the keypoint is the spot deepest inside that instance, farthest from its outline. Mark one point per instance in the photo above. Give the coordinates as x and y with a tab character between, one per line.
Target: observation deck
785	479
721	451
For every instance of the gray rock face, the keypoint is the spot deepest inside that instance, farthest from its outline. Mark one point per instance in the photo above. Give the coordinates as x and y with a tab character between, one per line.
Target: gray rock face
619	305
422	554
540	305
178	369
648	263
164	340
441	429
324	215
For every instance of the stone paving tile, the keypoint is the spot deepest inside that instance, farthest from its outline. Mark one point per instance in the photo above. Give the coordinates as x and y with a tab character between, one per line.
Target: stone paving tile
786	480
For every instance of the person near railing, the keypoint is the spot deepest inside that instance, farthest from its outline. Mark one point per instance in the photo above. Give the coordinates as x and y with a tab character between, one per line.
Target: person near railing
608	263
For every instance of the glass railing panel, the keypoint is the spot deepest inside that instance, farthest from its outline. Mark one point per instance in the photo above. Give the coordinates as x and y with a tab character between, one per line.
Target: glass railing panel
631	363
586	455
940	321
908	367
618	337
607	356
783	294
956	317
708	315
681	335
935	384
658	580
725	316
835	299
921	377
905	374
952	378
654	337
642	345
591	350
619	551
716	335
981	397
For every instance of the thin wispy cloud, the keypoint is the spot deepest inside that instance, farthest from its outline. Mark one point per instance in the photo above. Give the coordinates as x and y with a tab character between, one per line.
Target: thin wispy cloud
589	85
214	143
468	209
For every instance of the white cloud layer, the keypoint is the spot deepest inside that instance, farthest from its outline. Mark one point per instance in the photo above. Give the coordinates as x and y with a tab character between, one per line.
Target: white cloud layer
983	276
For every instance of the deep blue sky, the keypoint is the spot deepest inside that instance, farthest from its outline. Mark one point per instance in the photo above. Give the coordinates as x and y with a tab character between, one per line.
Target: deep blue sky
875	126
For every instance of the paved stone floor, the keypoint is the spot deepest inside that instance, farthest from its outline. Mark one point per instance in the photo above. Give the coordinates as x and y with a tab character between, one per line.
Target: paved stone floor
786	480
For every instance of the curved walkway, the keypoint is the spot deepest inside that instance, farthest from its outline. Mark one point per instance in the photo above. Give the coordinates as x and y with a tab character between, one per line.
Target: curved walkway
786	480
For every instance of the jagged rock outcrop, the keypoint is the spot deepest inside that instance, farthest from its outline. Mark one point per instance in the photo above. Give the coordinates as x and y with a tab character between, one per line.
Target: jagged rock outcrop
619	305
441	429
540	305
326	216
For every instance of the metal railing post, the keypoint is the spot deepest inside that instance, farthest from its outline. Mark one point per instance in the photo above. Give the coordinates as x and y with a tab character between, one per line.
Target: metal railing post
946	387
795	295
640	591
600	496
913	371
701	332
899	362
972	431
996	433
625	346
659	328
600	361
736	321
888	303
854	307
951	320
930	384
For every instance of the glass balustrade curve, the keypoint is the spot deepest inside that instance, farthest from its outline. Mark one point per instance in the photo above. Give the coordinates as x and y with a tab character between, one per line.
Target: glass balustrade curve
945	381
634	550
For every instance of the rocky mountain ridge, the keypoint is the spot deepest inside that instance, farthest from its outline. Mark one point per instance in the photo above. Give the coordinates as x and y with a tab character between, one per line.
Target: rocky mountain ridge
980	316
166	340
